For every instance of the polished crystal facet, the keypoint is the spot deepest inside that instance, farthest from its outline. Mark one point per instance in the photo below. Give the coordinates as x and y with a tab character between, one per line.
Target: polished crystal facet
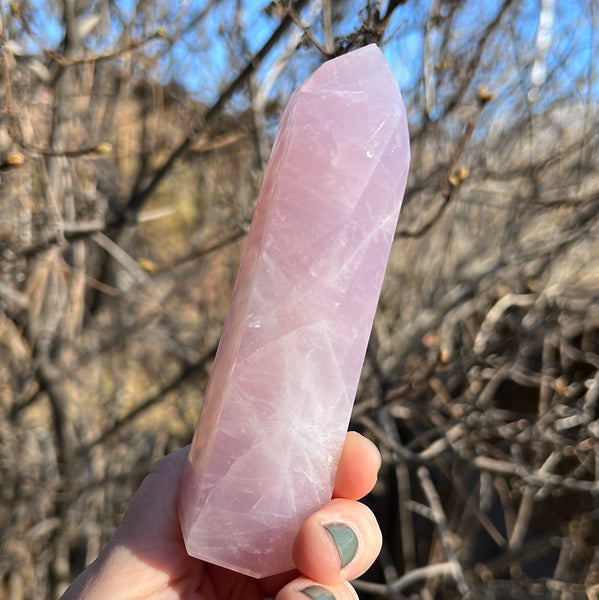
279	399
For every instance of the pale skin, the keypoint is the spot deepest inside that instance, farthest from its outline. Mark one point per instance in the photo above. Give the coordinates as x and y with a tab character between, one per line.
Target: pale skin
146	558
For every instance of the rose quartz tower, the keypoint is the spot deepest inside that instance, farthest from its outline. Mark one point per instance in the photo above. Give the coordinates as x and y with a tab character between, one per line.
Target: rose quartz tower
279	399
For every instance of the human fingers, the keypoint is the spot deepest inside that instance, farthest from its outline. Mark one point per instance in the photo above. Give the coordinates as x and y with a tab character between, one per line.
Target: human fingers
306	589
338	542
358	467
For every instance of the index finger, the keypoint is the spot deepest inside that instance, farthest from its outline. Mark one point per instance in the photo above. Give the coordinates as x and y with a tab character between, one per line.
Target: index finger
358	467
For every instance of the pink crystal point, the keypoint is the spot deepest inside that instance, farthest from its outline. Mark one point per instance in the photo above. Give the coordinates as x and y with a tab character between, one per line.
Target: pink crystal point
279	399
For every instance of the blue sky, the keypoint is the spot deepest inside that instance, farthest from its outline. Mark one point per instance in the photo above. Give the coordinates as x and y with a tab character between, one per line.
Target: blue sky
507	59
200	60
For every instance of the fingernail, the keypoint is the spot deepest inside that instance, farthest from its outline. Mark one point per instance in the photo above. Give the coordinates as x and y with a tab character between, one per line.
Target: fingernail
318	593
345	540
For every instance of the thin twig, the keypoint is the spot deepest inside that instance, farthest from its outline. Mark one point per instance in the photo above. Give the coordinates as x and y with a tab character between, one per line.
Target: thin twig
441	521
404	494
187	372
410	578
534	478
65	61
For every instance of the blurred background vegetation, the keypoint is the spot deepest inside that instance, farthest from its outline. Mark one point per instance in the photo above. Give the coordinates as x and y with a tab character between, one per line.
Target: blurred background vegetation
133	139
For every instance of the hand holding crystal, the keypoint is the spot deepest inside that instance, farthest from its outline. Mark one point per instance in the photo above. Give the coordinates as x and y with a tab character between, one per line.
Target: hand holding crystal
146	558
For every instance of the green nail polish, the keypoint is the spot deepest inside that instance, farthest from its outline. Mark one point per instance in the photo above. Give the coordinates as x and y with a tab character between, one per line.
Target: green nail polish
345	540
318	593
